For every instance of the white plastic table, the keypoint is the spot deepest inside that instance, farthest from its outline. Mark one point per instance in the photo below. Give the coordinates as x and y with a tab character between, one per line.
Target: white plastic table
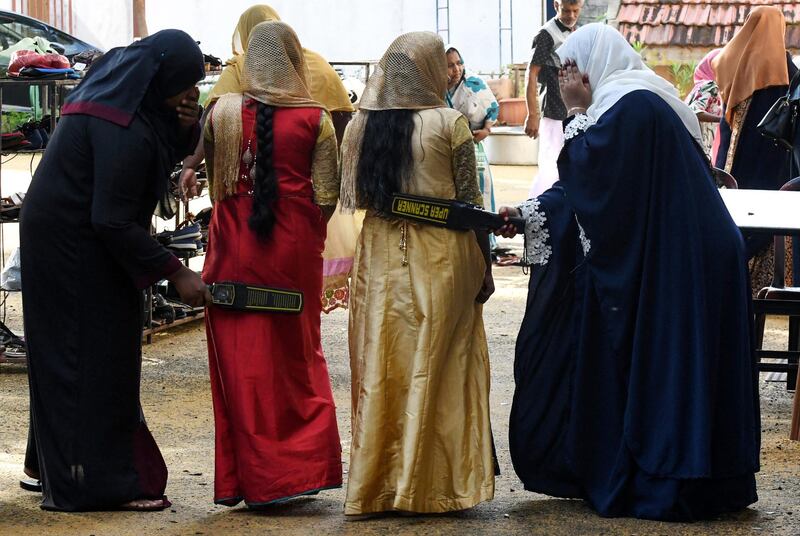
767	211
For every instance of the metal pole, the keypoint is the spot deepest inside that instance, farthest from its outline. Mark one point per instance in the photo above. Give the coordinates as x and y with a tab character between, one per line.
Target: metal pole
509	29
511	26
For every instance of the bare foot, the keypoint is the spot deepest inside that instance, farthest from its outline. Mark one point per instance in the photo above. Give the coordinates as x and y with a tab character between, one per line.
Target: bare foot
146	504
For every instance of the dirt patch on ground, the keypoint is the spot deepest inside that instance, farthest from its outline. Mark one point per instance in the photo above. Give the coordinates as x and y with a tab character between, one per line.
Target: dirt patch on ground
177	403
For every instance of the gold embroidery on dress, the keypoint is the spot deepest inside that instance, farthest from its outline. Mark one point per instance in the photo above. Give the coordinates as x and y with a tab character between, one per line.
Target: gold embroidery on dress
739	115
465	173
404	241
325	165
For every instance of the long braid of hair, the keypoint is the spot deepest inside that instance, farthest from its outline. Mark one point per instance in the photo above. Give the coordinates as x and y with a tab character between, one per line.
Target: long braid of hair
265	187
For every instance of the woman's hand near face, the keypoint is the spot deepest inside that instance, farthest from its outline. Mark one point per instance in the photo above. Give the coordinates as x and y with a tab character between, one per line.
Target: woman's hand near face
508	230
189	109
575	89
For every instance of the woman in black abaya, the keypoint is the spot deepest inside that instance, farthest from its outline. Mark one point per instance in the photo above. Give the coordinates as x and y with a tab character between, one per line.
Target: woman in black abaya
87	256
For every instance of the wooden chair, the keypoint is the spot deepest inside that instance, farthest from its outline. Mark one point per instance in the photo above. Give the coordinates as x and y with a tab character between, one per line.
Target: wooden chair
794	435
778	299
724	179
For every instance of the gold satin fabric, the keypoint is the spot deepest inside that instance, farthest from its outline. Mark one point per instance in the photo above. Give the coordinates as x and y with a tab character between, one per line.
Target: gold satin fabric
421	438
322	80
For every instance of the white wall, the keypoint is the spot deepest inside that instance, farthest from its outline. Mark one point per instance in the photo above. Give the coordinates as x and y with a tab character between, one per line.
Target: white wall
104	23
356	30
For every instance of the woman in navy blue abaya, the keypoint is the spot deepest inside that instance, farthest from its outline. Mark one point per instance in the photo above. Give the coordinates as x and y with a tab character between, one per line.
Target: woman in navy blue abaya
636	386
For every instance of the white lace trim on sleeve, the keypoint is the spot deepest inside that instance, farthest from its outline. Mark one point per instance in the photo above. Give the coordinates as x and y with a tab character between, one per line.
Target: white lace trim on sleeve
580	123
537	250
586	244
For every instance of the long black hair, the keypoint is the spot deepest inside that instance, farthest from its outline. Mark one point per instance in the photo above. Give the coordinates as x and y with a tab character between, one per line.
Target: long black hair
386	158
265	187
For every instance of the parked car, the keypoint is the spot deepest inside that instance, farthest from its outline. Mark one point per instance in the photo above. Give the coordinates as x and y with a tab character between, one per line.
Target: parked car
13	28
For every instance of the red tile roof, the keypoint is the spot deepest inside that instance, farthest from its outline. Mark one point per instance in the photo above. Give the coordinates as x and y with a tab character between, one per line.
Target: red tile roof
696	23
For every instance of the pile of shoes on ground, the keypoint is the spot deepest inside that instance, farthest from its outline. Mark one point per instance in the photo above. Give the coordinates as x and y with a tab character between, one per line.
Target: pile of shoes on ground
30	136
10	207
12	346
167	308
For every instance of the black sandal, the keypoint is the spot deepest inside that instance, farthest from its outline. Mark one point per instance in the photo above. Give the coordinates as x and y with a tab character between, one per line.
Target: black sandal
31	484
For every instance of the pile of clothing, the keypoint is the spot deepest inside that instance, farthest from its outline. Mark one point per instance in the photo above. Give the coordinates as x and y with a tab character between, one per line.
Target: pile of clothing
32	64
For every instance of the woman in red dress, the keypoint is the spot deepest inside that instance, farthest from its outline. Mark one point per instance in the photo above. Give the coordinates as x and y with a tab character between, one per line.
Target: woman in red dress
275	184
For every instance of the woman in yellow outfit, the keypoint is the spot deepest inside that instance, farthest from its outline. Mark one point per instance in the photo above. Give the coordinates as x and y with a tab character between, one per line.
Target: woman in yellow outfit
325	85
421	439
326	88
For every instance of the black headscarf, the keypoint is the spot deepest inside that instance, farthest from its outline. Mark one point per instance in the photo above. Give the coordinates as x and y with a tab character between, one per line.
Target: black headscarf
137	78
134	81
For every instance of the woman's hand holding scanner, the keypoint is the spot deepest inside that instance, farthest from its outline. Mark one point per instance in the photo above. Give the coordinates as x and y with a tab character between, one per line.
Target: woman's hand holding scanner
190	287
509	230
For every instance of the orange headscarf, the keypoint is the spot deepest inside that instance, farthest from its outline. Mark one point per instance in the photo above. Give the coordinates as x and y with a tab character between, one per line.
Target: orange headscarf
754	59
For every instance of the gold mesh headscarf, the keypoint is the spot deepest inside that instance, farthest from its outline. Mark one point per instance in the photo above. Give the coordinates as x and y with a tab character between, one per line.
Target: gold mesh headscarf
275	71
412	75
274	74
247	21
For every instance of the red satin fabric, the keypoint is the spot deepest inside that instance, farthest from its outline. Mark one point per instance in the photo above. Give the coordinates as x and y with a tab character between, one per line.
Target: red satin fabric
29	58
276	433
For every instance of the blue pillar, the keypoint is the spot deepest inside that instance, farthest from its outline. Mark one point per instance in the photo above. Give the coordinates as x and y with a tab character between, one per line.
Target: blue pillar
549	9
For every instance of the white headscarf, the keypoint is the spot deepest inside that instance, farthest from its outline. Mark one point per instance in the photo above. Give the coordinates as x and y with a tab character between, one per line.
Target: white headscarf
615	69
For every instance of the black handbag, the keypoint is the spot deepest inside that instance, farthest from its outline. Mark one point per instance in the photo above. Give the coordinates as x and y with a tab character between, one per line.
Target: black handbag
780	122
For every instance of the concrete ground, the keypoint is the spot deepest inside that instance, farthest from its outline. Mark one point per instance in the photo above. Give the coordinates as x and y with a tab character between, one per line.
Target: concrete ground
177	403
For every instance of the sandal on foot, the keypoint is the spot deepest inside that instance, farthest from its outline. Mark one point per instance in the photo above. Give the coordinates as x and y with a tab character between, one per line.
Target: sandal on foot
31	484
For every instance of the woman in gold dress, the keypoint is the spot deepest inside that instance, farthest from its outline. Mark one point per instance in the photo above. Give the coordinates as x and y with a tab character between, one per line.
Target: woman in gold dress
421	439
